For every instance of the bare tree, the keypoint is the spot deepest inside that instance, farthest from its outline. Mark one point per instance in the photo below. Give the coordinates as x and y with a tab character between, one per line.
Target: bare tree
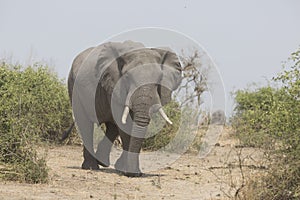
194	81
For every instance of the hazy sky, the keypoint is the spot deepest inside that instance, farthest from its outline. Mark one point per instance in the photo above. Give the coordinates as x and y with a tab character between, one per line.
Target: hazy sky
248	40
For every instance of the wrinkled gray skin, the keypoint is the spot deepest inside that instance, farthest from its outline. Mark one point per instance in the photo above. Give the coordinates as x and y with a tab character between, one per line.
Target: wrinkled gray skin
138	91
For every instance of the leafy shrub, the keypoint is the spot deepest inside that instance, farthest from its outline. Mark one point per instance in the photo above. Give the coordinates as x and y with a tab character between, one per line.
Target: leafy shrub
37	95
179	137
34	106
252	120
269	118
160	133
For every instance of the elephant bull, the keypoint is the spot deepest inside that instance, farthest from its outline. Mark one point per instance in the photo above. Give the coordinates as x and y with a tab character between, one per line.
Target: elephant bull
121	85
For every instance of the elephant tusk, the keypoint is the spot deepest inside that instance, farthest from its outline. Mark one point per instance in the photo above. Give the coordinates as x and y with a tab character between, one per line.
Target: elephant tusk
125	114
164	115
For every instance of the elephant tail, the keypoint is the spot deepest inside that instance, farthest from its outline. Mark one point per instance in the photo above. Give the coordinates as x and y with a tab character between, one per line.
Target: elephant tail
66	133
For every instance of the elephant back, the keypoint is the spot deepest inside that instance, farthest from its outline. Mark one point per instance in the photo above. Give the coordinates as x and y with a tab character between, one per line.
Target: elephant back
102	57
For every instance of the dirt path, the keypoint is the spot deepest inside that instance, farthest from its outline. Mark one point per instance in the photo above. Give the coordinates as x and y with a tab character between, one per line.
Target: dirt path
217	176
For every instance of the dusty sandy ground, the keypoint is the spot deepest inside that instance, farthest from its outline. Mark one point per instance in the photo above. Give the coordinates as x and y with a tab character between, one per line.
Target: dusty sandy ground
217	176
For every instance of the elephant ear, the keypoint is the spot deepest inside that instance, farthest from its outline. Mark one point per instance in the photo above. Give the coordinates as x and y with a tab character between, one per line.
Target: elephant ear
171	69
110	77
110	62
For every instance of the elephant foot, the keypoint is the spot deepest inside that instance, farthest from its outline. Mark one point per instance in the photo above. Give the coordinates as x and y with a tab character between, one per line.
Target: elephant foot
103	164
124	172
102	158
89	161
130	174
103	151
90	165
128	170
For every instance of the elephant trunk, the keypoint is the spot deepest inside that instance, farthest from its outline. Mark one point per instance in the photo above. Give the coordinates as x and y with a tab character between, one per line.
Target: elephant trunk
143	102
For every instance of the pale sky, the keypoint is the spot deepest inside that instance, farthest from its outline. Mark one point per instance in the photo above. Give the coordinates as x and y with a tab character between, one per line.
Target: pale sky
248	40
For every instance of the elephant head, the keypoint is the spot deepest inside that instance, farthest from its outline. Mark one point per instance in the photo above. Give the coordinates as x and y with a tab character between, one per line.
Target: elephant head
146	80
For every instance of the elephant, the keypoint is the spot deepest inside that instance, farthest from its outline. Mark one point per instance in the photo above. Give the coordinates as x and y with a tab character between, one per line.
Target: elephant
120	84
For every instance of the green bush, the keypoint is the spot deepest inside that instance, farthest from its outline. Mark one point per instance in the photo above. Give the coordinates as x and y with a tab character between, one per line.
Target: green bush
269	117
160	133
36	95
34	106
182	136
253	117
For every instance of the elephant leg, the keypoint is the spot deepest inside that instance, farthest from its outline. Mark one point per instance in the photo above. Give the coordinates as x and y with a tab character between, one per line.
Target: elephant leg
86	129
121	163
89	161
128	163
104	147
